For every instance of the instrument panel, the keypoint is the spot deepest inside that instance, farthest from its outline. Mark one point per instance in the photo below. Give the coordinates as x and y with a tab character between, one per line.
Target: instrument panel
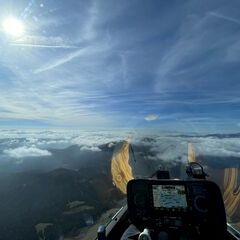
169	197
163	204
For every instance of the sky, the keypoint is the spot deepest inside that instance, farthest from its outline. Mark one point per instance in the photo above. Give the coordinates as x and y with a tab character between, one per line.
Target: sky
172	65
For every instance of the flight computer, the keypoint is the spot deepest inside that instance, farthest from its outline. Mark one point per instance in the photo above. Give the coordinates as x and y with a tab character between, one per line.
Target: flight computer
176	206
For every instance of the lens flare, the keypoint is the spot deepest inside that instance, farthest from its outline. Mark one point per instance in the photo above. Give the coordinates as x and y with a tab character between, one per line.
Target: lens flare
13	26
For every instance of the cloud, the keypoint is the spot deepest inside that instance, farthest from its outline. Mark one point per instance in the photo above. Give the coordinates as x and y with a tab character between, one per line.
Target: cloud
233	52
227	18
90	52
184	65
151	117
93	139
89	32
198	119
158	146
61	61
90	148
42	42
22	152
42	46
226	147
96	64
175	148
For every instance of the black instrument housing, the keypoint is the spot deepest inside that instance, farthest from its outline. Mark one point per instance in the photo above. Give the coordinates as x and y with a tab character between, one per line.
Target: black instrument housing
204	214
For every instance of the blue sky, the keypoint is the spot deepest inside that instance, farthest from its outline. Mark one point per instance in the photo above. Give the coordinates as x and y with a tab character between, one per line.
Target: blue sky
88	64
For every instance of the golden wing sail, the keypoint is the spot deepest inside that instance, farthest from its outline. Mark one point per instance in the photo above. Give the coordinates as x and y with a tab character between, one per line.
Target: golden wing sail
120	167
191	153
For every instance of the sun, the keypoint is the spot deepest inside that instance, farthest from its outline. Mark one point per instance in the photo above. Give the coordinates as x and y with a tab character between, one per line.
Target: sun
13	26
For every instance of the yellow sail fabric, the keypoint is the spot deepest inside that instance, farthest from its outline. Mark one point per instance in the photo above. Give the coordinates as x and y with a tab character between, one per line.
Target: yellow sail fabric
231	195
191	153
120	167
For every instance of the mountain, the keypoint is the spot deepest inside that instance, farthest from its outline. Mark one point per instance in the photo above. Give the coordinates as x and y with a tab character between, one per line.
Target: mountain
30	200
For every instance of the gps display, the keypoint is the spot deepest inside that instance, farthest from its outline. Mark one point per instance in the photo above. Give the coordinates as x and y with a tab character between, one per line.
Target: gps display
169	197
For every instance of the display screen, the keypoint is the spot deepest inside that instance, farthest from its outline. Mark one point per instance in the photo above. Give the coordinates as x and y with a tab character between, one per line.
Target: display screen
169	197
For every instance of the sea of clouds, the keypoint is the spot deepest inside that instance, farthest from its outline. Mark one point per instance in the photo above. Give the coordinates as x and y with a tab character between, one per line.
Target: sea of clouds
21	144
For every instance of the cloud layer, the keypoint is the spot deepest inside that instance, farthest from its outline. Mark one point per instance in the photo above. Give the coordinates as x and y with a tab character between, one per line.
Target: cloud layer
23	152
161	146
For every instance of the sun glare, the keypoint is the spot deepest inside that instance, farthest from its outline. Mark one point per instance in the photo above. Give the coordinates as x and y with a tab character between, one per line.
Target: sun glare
13	26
